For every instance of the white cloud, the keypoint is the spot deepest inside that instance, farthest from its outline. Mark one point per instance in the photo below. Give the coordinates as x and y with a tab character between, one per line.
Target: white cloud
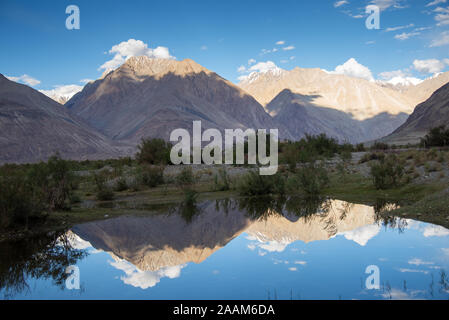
203	47
435	231
419	262
267	51
293	269
354	69
387	75
413	270
144	279
251	61
264	67
385	4
288	48
406	35
86	80
62	93
435	2
241	69
132	48
428	66
441	40
300	262
411	25
274	246
261	67
399	77
340	3
363	234
397	294
26	79
280	43
443	16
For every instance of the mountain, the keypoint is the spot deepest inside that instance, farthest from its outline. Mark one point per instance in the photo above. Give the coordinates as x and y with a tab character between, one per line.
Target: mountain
349	109
33	127
422	91
432	113
151	97
360	98
301	116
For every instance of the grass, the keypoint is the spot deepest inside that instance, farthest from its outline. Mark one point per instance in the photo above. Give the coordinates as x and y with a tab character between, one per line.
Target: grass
357	188
433	208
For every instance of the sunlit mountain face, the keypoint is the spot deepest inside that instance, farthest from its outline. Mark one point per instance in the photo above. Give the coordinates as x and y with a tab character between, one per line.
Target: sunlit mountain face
265	249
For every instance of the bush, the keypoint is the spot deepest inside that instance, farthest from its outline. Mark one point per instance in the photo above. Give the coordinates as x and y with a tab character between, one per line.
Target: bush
387	173
151	176
54	180
372	156
254	184
29	190
360	147
104	193
121	185
18	200
310	179
380	146
221	180
154	151
185	178
437	137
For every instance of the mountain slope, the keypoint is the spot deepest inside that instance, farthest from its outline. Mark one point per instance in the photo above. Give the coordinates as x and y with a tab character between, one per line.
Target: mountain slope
151	97
301	116
361	98
33	127
433	112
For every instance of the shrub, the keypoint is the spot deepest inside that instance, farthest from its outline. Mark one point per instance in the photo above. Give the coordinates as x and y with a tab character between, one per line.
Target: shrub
372	156
310	179
185	178
380	146
18	200
29	190
221	180
436	137
154	151
151	176
54	180
387	173
360	147
121	185
104	193
254	184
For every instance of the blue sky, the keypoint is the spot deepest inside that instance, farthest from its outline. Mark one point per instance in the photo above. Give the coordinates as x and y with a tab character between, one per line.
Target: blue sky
223	36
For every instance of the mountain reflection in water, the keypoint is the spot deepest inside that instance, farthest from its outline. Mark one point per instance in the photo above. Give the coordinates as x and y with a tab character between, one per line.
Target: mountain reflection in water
147	249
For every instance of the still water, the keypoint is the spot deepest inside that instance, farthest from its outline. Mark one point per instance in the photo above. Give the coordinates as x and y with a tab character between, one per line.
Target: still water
235	249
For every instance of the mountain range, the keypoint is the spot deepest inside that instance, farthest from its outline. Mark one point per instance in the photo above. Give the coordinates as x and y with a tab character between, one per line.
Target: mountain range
347	108
148	97
151	97
33	127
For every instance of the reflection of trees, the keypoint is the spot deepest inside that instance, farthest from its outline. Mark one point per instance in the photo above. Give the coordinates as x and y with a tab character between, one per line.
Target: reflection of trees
45	257
381	206
261	208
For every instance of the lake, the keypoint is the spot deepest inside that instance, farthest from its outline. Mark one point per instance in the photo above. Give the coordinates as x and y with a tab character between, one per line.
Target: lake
261	248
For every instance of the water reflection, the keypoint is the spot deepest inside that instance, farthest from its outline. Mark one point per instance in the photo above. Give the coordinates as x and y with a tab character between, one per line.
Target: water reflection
44	257
281	231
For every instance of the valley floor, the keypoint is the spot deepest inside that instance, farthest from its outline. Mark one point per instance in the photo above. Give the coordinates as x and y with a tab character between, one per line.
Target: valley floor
424	197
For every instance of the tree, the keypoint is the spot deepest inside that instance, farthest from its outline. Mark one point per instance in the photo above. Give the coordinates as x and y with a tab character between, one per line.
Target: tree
154	151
